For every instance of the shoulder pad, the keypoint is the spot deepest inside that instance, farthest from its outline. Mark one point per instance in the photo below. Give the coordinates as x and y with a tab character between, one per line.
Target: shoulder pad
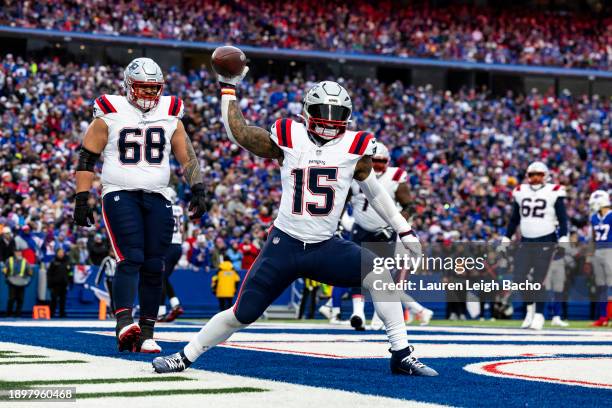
281	133
102	106
559	190
364	144
176	107
400	176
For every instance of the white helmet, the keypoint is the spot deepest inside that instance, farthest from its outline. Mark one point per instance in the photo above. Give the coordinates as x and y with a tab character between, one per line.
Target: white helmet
327	109
538	167
598	200
380	159
172	195
143	81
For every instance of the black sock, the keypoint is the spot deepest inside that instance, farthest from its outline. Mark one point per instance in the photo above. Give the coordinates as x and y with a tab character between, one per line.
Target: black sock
185	359
124	318
147	326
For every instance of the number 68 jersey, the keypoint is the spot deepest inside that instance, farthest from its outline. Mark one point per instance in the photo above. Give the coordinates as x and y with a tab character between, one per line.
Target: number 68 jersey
136	156
315	179
537	208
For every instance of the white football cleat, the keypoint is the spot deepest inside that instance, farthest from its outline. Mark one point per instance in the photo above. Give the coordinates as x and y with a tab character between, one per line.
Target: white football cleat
556	321
150	346
425	316
528	317
326	311
538	322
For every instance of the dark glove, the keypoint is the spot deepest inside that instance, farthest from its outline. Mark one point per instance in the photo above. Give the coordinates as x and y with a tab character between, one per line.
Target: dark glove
197	205
83	213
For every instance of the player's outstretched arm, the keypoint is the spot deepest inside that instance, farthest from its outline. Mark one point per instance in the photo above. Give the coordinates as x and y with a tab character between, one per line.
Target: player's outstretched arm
255	139
184	153
383	204
93	144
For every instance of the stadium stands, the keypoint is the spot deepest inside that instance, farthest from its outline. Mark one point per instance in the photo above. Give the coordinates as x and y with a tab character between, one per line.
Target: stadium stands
508	35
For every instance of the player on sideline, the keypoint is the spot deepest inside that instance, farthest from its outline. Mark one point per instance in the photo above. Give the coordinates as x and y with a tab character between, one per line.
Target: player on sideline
175	251
538	208
136	134
318	161
371	227
601	223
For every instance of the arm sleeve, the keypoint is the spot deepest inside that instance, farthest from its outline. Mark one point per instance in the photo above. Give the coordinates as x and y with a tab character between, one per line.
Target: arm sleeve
561	216
383	204
515	219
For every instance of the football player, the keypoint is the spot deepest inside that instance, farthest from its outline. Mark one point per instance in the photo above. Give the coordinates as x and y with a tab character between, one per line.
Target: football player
318	161
136	133
175	251
601	223
538	208
369	226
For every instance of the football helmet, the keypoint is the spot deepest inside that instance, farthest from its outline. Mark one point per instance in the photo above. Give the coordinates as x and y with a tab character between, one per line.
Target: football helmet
533	170
143	81
598	200
327	110
380	159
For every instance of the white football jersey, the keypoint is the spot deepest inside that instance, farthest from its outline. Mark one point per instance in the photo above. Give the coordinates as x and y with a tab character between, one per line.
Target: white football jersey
365	216
537	208
136	156
316	179
177	233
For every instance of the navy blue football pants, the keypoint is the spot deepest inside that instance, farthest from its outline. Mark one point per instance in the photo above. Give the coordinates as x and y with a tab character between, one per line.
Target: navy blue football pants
283	259
139	225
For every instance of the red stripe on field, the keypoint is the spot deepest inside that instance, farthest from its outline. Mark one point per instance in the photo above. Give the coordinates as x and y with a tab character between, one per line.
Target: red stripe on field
305	353
493	369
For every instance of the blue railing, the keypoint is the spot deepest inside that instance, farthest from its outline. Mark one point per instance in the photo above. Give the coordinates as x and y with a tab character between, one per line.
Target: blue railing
304	54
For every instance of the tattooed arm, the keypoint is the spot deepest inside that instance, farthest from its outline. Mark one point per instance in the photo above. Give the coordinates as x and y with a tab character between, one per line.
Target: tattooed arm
255	139
184	153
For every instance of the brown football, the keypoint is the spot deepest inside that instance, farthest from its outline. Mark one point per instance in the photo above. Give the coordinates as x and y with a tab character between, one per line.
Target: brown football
228	61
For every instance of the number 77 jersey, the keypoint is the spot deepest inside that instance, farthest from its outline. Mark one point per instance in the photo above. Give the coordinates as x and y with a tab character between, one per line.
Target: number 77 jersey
315	179
136	156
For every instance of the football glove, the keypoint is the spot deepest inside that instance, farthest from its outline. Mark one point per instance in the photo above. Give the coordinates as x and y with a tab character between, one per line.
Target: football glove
411	242
83	213
233	81
197	204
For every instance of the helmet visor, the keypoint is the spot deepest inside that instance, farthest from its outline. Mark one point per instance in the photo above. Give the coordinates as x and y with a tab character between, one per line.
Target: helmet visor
329	112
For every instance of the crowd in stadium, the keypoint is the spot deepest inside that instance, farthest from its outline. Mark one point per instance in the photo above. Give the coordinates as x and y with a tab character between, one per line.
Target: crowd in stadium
483	34
464	153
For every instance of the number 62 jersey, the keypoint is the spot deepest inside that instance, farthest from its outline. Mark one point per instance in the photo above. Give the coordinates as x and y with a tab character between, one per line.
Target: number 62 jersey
315	179
537	208
136	156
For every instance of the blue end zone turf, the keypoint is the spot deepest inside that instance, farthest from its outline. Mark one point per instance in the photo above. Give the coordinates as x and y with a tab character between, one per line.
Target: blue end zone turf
454	386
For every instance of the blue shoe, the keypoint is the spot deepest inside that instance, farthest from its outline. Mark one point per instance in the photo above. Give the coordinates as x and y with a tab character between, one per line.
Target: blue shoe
173	363
405	364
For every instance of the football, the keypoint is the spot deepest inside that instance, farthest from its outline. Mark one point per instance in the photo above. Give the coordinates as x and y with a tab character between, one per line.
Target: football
228	61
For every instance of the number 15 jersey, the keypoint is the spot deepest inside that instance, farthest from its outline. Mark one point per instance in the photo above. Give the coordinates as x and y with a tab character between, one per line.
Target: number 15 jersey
315	179
136	156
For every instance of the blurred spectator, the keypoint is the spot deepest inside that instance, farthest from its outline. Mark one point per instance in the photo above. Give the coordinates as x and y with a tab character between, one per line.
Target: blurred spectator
79	254
7	244
59	276
234	255
218	253
98	249
18	274
249	253
200	254
224	284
